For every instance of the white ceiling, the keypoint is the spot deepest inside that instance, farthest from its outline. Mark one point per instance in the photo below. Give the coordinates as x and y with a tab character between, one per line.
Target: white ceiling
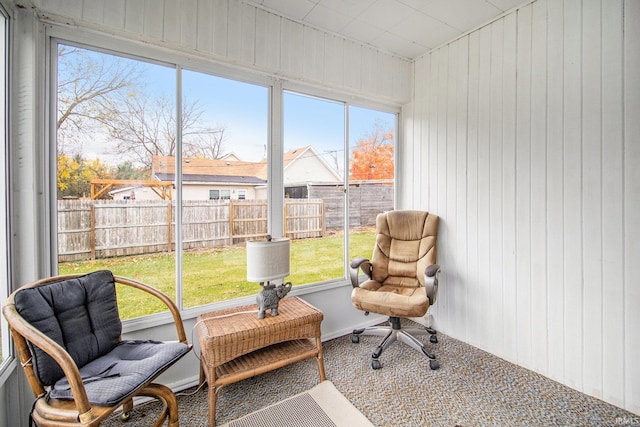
407	28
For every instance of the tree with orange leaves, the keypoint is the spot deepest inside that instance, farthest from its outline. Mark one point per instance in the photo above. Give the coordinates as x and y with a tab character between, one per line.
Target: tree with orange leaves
373	157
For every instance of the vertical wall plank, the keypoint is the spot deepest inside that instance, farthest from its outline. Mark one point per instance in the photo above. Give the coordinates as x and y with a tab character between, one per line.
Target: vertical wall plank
538	185
93	10
220	23
523	188
353	63
592	195
472	286
495	186
189	23
267	40
171	27
204	40
153	20
573	278
508	166
555	194
313	59
486	334
114	12
612	205
334	66
134	17
460	303
632	202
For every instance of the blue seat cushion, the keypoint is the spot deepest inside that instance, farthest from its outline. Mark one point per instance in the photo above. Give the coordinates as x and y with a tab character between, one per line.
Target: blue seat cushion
79	314
123	371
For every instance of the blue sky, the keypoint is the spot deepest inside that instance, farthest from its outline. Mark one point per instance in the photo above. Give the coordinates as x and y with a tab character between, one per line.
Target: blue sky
242	109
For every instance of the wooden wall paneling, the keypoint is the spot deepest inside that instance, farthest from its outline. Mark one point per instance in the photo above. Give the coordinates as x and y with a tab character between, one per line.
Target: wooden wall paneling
487	334
241	32
153	20
220	23
204	22
538	186
334	60
172	24
404	165
632	202
612	205
592	196
448	209
573	280
248	34
313	54
416	160
460	301
555	192
291	42
496	112
67	8
134	17
472	286
189	23
508	166
432	128
402	77
353	64
523	189
114	14
93	11
368	72
267	51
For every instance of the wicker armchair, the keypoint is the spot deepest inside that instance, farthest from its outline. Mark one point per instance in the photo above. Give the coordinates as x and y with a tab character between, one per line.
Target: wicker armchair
67	333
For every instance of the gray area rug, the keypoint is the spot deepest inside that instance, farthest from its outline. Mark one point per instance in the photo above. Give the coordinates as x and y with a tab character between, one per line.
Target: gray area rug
471	388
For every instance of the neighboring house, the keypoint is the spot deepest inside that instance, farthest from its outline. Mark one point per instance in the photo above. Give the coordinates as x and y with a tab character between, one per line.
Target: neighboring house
229	178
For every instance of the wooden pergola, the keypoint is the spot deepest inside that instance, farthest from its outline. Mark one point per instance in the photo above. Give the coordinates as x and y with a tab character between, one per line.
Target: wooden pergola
99	187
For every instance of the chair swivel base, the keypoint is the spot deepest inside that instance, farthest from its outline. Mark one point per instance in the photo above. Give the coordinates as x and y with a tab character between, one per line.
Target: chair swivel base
393	333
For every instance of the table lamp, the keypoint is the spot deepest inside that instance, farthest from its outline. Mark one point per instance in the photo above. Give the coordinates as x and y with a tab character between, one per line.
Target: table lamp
268	260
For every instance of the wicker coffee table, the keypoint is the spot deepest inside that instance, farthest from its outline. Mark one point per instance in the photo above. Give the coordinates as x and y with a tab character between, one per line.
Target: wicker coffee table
236	345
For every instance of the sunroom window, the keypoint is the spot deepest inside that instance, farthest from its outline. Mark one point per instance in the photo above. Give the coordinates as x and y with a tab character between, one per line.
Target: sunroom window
162	175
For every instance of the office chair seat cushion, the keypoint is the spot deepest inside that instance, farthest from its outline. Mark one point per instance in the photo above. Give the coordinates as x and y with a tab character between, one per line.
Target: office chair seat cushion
123	371
79	314
395	301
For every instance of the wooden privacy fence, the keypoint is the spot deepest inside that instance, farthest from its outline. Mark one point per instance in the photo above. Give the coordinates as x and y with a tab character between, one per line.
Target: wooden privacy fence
90	229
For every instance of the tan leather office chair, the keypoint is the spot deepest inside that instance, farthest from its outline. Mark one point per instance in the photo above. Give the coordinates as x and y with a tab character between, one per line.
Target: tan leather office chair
67	335
402	279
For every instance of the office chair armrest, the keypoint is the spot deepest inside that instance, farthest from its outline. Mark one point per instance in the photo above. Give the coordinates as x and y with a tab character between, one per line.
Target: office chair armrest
431	282
359	263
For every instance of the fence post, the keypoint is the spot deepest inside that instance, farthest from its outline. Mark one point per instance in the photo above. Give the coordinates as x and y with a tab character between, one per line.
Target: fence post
231	215
92	230
284	220
169	227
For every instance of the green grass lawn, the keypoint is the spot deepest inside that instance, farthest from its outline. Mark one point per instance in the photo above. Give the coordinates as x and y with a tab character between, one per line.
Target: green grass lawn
220	274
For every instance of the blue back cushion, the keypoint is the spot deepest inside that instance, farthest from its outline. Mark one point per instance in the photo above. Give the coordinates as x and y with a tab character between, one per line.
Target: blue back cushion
80	314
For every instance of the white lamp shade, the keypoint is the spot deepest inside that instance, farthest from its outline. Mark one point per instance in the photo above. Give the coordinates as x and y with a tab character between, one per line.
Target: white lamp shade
267	260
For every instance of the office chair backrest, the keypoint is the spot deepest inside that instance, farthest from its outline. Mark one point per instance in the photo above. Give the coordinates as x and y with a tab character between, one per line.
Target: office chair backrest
405	246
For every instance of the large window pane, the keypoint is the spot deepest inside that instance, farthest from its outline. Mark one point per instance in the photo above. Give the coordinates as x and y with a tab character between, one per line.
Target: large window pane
371	175
224	187
114	117
314	144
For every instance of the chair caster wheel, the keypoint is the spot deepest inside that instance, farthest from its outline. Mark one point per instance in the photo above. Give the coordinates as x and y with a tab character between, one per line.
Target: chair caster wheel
433	339
125	416
433	364
355	339
375	364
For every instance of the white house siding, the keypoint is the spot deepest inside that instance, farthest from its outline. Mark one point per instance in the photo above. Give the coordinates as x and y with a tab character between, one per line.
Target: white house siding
524	136
241	34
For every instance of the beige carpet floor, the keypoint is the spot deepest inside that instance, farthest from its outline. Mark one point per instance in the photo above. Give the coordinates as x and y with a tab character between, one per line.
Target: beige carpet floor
471	388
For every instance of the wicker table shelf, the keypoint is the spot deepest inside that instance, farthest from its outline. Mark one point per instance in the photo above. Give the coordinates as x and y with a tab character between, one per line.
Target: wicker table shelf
236	345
